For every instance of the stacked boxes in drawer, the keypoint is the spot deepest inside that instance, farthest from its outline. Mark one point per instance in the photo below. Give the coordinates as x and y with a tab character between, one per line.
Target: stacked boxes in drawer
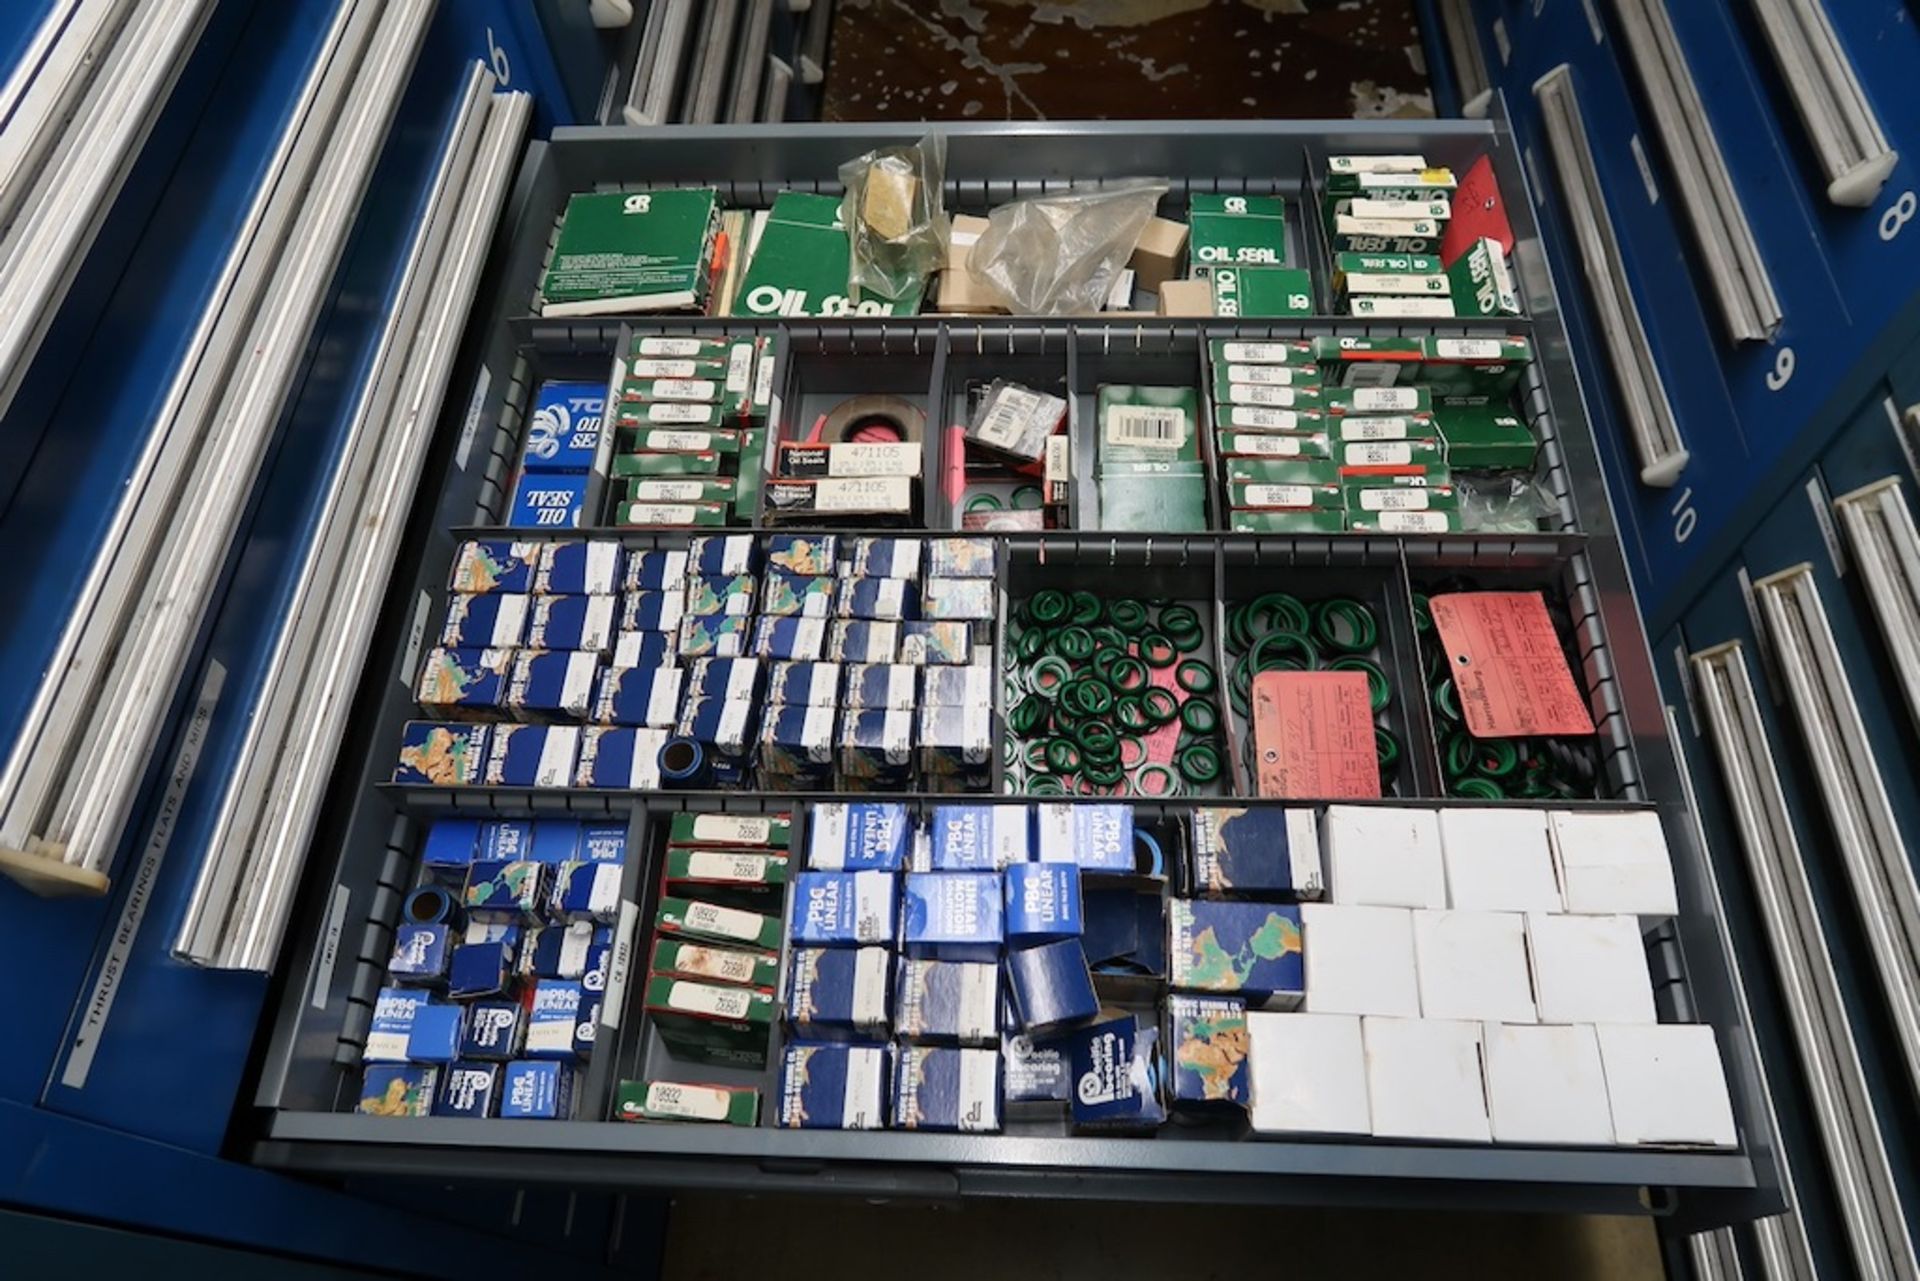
557	460
1384	217
1272	434
711	974
1238	243
692	430
499	964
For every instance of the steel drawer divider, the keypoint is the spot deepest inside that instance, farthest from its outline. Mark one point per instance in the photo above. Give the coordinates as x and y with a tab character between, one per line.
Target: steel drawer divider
1796	939
1851	787
1886	547
1834	110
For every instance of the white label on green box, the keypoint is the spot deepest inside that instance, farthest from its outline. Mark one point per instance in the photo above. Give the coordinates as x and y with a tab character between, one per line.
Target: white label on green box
718	865
1272	375
671	413
730	922
1258	352
1396	498
1413	522
1249	394
660	514
686	389
1382	428
1385	400
1265	446
698	441
1264	418
1467	348
1387	228
1374	282
1149	426
1279	496
732	829
740	368
669	491
671	346
1376	164
701	998
1403	308
864	493
1391	207
687	1102
1379	454
663	369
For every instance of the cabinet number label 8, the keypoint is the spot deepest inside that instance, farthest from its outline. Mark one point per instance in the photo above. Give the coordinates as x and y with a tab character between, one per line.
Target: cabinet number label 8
1898	215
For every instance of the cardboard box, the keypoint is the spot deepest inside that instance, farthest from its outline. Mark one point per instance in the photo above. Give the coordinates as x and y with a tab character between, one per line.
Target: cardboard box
1256	850
579	567
468	1089
676	1101
560	951
1666	1085
1545	1086
1309	1074
1366	497
1116	1075
979	838
947	1002
505	841
852	640
1051	986
681	958
878	686
1042	901
1403	163
691	919
1589	969
797	740
845	908
716	637
1207	1047
489	566
1267	441
964	232
1474	366
1269	375
939	1088
435	1034
659	515
710	1022
1613	863
858	836
463	684
1158	254
1287	522
775	830
1383	427
1404	522
1098	838
1034	1072
441	754
1360	960
867	495
1351	235
723	724
1185	298
756	878
1473	965
571	622
1255	949
603	842
620	252
1303	397
1482	283
1498	860
952	916
1237	230
397	1090
833	1087
957	292
791	596
394	1010
1384	856
1424	1079
841	459
959	600
1399	264
1262	291
531	1090
839	993
620	757
507	892
881	598
1370	361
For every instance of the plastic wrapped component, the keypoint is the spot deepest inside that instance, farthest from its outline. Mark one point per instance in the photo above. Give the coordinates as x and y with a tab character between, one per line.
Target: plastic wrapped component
1059	255
895	217
1502	504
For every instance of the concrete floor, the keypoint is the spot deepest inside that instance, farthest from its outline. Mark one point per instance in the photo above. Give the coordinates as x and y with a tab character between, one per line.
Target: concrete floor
718	1239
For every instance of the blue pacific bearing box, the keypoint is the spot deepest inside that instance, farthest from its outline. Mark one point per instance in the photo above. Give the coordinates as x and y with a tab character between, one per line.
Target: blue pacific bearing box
654	571
505	841
544	500
833	1086
647	696
947	1002
952	916
579	567
1256	850
937	1088
838	993
555	841
552	684
1043	902
1254	949
652	610
804	684
435	1035
1099	838
979	838
1116	1076
495	1031
1051	986
494	565
507	892
845	909
858	836
712	554
537	1090
420	954
442	753
603	843
563	432
497	621
620	756
449	849
464	684
571	622
532	756
585	893
480	969
468	1089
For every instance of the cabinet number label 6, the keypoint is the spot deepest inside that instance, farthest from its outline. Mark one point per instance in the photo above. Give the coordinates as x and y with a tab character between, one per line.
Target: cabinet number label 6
1898	215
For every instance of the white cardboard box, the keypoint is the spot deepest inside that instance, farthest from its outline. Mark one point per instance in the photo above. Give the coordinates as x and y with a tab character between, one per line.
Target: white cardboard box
1613	862
1589	969
1499	860
1309	1074
1384	856
1424	1079
1666	1085
1359	960
1473	965
1545	1085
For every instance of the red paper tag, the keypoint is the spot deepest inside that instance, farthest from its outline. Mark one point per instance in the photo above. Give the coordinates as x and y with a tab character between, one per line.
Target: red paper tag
1313	733
1478	214
1508	666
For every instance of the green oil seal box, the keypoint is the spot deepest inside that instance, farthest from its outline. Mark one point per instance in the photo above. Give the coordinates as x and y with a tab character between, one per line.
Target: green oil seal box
1306	395
1482	282
1371	308
1263	495
1276	446
1227	231
1270	418
1363	499
1353	235
1369	361
674	1101
1481	432
1473	366
1149	430
1148	502
1262	291
689	918
775	830
1316	473
724	868
1265	351
1372	182
1392	284
639	463
800	266
1377	264
1361	427
619	252
711	1022
1287	522
677	958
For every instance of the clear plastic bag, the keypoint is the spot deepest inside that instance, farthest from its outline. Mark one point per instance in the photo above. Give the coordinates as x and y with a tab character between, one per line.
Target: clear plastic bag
896	217
1059	255
1506	504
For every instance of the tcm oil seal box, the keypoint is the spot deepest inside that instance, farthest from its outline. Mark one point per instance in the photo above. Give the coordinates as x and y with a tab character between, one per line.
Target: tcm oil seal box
649	251
1236	231
563	435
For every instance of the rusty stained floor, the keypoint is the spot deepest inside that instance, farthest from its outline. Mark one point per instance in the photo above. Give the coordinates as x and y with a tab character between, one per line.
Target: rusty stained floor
1125	60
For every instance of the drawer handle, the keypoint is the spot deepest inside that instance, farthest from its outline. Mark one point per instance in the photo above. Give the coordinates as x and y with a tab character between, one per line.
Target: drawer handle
656	69
1833	108
1886	547
1852	791
1469	62
1721	232
1796	940
1643	396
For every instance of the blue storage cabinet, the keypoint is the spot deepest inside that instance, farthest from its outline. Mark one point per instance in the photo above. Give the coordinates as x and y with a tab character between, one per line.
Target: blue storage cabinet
1776	430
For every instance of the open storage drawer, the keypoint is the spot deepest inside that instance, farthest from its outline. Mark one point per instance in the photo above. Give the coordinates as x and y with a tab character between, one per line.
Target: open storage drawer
365	861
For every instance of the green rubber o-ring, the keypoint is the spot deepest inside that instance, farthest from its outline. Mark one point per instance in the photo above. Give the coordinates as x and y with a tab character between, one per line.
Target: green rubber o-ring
1027	715
1496	757
1094	698
1133	750
1157	651
1099	740
1033	643
1199	716
1387	747
1361	631
1086	608
1236	638
1446	699
1063	755
1271	653
1199	764
1129	713
1074	642
1286	611
1126	614
1456	757
1160	704
1379	691
1483	789
1195	676
1164	782
1049	675
1048	607
1110	637
982	503
1034	754
1104	774
1027	498
1179	618
1128	674
1422	613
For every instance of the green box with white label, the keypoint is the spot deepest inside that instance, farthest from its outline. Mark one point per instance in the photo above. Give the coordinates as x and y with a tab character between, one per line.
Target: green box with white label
1474	366
800	265
1483	432
1236	231
1482	282
711	1022
645	251
1261	291
1294	521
